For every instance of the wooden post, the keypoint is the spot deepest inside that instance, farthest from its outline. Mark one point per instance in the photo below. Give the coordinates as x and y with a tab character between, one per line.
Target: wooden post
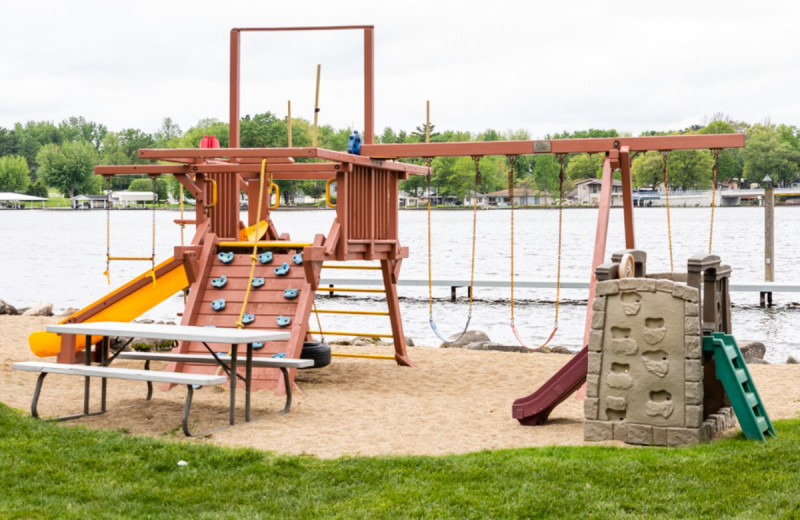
769	239
316	109
289	123
428	121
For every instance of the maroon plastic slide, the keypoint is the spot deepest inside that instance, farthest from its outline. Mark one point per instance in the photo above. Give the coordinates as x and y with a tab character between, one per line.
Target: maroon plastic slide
534	409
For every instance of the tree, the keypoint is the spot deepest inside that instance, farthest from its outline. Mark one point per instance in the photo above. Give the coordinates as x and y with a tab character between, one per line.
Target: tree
584	166
690	169
142	184
79	129
647	170
32	136
169	130
8	142
545	173
68	167
14	173
730	160
766	154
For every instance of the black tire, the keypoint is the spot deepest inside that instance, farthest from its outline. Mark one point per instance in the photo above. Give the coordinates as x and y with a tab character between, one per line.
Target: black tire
320	353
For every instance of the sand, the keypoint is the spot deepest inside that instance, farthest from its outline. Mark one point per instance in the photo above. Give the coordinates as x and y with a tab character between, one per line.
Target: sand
453	401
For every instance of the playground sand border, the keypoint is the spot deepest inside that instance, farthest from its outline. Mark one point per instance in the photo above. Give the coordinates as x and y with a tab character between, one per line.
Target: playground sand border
454	401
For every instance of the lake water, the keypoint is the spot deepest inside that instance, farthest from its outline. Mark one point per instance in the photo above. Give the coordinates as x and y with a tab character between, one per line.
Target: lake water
59	256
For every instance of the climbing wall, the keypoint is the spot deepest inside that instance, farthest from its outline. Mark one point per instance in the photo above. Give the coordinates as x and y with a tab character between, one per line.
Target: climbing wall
644	383
279	300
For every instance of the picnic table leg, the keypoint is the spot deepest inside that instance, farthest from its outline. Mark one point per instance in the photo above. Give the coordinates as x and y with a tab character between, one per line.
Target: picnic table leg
248	376
233	376
37	391
87	360
149	383
187	405
103	362
288	386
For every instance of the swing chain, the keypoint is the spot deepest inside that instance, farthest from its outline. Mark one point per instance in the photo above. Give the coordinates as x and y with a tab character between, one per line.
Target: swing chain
512	159
107	272
477	160
665	170
478	176
715	154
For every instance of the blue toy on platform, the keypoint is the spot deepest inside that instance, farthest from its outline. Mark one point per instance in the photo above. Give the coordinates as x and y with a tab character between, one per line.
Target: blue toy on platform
226	258
265	258
354	143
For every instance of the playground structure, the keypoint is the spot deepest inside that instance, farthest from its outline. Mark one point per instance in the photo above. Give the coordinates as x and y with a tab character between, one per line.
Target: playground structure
213	266
663	368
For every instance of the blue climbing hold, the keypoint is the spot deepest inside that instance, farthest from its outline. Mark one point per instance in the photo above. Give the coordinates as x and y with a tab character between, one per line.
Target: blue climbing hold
279	355
248	318
298	259
258	282
283	321
210	326
265	258
354	143
220	282
283	270
226	258
218	305
258	345
290	294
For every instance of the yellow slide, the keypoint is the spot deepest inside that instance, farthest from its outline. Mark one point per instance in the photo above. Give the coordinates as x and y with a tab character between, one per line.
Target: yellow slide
123	304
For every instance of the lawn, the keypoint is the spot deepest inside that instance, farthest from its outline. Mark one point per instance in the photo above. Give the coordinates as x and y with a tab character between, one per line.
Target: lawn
54	471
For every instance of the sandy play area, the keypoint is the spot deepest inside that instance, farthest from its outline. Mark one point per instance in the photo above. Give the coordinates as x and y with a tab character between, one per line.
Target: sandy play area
454	401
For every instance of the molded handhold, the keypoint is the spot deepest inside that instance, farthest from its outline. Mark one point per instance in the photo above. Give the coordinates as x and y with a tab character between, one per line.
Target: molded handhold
283	321
283	270
298	259
248	318
290	294
218	305
258	345
226	258
210	326
258	282
265	258
279	355
220	282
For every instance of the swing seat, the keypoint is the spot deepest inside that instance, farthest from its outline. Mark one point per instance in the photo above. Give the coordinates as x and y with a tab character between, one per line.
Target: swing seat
283	321
290	294
283	270
226	258
248	318
258	345
220	282
258	282
265	258
218	305
298	259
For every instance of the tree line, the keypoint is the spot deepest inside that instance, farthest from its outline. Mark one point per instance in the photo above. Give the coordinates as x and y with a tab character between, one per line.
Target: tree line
40	155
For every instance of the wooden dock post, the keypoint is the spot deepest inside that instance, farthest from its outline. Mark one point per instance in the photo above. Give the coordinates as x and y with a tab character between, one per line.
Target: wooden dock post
769	239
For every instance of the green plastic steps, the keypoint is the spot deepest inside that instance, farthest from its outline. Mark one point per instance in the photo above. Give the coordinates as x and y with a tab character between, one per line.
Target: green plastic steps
735	377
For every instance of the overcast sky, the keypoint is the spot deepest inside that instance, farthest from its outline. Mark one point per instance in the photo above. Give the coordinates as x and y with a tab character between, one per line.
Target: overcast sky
539	66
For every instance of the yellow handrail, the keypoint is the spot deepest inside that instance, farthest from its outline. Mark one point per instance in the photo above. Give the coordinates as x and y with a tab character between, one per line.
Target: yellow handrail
356	334
328	193
213	193
147	258
277	195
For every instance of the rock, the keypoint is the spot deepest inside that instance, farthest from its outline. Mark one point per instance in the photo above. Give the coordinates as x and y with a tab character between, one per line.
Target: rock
69	311
561	350
7	308
791	360
756	361
409	342
144	320
752	350
343	342
363	341
40	309
471	336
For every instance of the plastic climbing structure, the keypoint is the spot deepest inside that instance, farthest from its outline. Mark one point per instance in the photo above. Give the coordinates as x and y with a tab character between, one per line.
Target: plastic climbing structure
216	265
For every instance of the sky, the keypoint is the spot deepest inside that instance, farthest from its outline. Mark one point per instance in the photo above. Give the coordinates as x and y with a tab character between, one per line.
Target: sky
538	66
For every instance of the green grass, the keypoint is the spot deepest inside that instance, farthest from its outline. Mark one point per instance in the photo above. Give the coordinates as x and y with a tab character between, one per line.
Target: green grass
53	471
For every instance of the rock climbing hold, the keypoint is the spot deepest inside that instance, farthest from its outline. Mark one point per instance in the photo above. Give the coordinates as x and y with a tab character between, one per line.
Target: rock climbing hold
283	321
226	258
220	282
218	305
290	294
265	258
298	259
248	318
283	270
279	355
258	282
258	345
